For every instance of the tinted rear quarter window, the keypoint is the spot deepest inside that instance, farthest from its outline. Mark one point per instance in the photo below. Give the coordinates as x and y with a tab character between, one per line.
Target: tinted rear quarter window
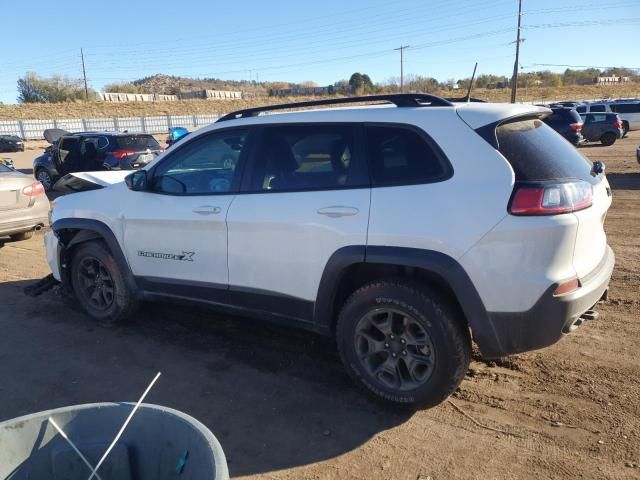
538	153
402	156
598	108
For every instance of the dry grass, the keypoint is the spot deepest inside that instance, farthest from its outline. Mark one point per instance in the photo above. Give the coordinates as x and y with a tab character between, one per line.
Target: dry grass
198	107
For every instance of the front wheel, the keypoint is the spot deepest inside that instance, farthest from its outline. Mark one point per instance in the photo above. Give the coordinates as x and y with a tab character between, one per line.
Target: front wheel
608	139
404	343
99	285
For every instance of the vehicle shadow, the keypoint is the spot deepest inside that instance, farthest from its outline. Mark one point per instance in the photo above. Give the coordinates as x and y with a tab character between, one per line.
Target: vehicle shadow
276	398
27	171
593	145
624	181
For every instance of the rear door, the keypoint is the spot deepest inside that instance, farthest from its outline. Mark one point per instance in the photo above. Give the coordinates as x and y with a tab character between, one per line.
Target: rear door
66	155
306	196
590	128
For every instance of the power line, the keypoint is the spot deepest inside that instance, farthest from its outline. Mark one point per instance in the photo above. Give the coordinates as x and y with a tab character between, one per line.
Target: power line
578	66
586	23
350	38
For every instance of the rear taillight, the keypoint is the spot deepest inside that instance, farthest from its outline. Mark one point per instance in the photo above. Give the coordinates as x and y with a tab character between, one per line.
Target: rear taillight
33	190
618	124
566	287
120	154
576	127
550	198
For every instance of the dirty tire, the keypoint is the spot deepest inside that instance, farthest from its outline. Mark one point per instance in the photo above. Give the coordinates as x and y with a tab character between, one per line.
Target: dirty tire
17	237
608	139
625	128
428	312
107	308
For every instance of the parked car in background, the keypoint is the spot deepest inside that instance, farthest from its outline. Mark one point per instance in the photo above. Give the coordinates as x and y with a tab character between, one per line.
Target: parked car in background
24	207
569	104
629	113
603	127
89	151
175	134
11	143
567	123
600	107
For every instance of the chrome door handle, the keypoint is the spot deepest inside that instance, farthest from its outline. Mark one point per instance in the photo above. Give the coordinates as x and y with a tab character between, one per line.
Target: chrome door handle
338	211
207	210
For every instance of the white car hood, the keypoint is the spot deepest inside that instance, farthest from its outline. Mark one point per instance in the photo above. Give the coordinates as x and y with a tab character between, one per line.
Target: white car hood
104	179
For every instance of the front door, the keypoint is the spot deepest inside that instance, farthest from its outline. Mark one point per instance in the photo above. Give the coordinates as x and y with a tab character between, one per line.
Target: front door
175	233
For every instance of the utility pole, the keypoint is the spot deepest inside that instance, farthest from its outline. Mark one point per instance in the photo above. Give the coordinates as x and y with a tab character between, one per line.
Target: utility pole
402	48
84	74
514	78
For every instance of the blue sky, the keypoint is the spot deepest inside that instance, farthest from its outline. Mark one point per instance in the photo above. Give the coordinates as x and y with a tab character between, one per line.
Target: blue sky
323	41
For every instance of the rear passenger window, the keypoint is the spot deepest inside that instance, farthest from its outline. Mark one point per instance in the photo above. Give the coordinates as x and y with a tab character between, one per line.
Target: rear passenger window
400	156
307	157
581	109
598	108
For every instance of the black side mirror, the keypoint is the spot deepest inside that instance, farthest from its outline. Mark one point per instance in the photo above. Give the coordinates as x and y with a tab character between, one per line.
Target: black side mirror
137	181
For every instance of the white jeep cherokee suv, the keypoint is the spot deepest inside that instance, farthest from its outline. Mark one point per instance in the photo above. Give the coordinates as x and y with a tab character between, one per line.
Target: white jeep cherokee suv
403	230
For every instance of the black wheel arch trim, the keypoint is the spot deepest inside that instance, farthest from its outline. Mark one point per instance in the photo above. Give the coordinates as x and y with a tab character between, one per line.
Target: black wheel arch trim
90	229
438	264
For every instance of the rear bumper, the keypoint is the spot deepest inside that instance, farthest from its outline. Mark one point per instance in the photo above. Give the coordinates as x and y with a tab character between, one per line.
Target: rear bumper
549	319
24	225
575	138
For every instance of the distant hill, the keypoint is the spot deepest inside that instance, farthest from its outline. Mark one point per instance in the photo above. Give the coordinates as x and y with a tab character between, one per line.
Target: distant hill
169	84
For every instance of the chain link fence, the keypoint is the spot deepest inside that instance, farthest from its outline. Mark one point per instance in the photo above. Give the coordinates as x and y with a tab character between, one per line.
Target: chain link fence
34	129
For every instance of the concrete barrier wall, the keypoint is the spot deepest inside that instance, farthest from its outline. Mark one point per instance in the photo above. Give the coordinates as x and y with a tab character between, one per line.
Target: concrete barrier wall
34	129
210	95
134	97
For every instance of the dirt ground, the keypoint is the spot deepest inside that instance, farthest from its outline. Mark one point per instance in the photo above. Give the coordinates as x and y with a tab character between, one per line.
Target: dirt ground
283	408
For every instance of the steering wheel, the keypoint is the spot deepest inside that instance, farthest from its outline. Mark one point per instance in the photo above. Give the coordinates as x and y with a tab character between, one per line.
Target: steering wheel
219	185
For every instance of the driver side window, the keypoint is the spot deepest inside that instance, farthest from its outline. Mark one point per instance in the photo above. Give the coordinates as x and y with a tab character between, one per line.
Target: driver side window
203	166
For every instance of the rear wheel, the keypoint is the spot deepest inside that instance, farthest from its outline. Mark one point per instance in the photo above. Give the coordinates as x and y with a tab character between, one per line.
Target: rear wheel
404	343
99	285
45	179
608	139
17	237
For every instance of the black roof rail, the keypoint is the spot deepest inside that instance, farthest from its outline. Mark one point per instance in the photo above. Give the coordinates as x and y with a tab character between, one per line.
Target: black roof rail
399	99
465	99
